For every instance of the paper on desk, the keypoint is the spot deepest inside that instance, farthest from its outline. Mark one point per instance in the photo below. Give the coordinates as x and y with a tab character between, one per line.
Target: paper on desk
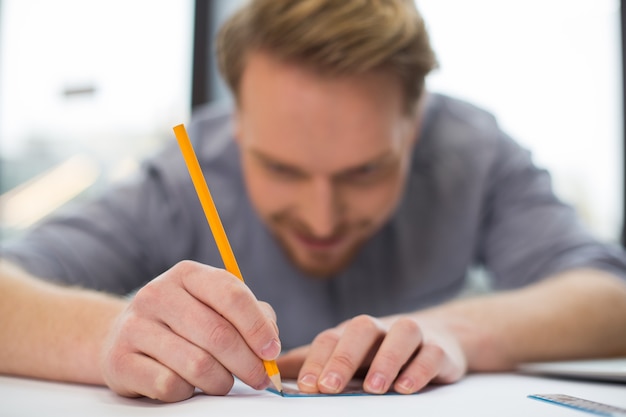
483	395
354	388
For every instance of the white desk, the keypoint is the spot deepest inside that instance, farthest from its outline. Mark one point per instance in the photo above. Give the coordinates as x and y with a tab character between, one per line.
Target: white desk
476	395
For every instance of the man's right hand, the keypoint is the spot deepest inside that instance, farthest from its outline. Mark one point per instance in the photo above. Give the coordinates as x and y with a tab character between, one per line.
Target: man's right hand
194	326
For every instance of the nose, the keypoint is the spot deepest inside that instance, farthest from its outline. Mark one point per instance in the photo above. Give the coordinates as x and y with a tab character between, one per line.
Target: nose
321	207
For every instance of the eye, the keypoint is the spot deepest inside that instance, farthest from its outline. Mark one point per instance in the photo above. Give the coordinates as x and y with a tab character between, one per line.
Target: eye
362	175
282	171
365	170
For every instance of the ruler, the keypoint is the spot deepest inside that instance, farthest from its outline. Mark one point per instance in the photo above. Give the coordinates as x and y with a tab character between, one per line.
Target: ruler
581	404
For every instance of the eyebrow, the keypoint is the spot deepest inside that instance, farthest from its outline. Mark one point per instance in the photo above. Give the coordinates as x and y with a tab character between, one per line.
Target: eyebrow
379	159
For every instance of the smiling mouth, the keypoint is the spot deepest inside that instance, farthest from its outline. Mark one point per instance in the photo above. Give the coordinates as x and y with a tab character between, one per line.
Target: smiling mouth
316	243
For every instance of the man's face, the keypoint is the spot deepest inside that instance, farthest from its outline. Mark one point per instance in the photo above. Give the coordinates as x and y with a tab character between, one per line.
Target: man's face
325	158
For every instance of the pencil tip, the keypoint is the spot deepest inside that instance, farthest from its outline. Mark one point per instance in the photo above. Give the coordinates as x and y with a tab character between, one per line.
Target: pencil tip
277	383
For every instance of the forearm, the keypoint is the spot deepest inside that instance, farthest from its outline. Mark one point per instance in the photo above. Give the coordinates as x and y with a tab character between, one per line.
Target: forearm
52	332
577	314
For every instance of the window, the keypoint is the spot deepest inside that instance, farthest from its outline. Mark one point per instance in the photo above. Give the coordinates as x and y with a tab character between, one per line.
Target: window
87	88
551	72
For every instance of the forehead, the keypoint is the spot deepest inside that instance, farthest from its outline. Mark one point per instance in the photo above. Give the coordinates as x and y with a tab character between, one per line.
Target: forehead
324	122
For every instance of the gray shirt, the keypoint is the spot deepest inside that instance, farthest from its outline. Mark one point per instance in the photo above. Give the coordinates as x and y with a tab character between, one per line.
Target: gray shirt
473	197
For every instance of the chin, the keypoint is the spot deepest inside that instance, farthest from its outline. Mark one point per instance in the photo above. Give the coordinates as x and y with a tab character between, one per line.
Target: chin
322	266
320	272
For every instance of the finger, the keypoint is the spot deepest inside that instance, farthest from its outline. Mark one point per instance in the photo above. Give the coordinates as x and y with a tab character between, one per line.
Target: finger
290	363
135	374
269	313
216	337
421	370
319	352
359	338
193	364
232	299
400	343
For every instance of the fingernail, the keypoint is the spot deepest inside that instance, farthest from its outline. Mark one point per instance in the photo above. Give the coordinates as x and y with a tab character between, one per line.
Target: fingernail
377	383
308	381
405	384
331	382
270	350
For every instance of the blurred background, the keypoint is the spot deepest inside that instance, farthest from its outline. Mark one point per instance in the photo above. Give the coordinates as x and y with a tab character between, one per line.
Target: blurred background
87	89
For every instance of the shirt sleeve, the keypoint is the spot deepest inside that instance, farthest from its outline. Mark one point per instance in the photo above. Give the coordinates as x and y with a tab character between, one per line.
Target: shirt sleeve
527	232
120	240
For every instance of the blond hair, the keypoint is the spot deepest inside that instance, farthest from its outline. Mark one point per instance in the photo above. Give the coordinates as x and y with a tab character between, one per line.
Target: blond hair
333	37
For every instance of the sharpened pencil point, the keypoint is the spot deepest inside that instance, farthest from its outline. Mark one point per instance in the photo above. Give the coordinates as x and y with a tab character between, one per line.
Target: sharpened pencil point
277	383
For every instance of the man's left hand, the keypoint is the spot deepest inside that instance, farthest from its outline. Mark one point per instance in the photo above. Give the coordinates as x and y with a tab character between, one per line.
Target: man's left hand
395	353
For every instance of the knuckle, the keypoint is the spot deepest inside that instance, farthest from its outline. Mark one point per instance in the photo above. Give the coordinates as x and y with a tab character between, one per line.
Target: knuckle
436	352
222	337
408	326
237	296
268	310
314	367
365	322
201	366
169	387
422	369
126	332
117	361
429	361
255	375
221	387
114	365
259	329
389	358
209	375
185	267
327	338
130	322
144	299
344	361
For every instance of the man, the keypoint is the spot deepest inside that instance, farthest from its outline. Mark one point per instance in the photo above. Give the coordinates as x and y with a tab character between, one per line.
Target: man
355	203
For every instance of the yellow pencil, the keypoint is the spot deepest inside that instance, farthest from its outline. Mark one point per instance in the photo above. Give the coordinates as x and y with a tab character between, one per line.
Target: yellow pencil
197	177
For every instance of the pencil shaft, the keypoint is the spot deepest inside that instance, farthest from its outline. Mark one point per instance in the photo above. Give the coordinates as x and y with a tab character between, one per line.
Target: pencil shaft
206	200
213	218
